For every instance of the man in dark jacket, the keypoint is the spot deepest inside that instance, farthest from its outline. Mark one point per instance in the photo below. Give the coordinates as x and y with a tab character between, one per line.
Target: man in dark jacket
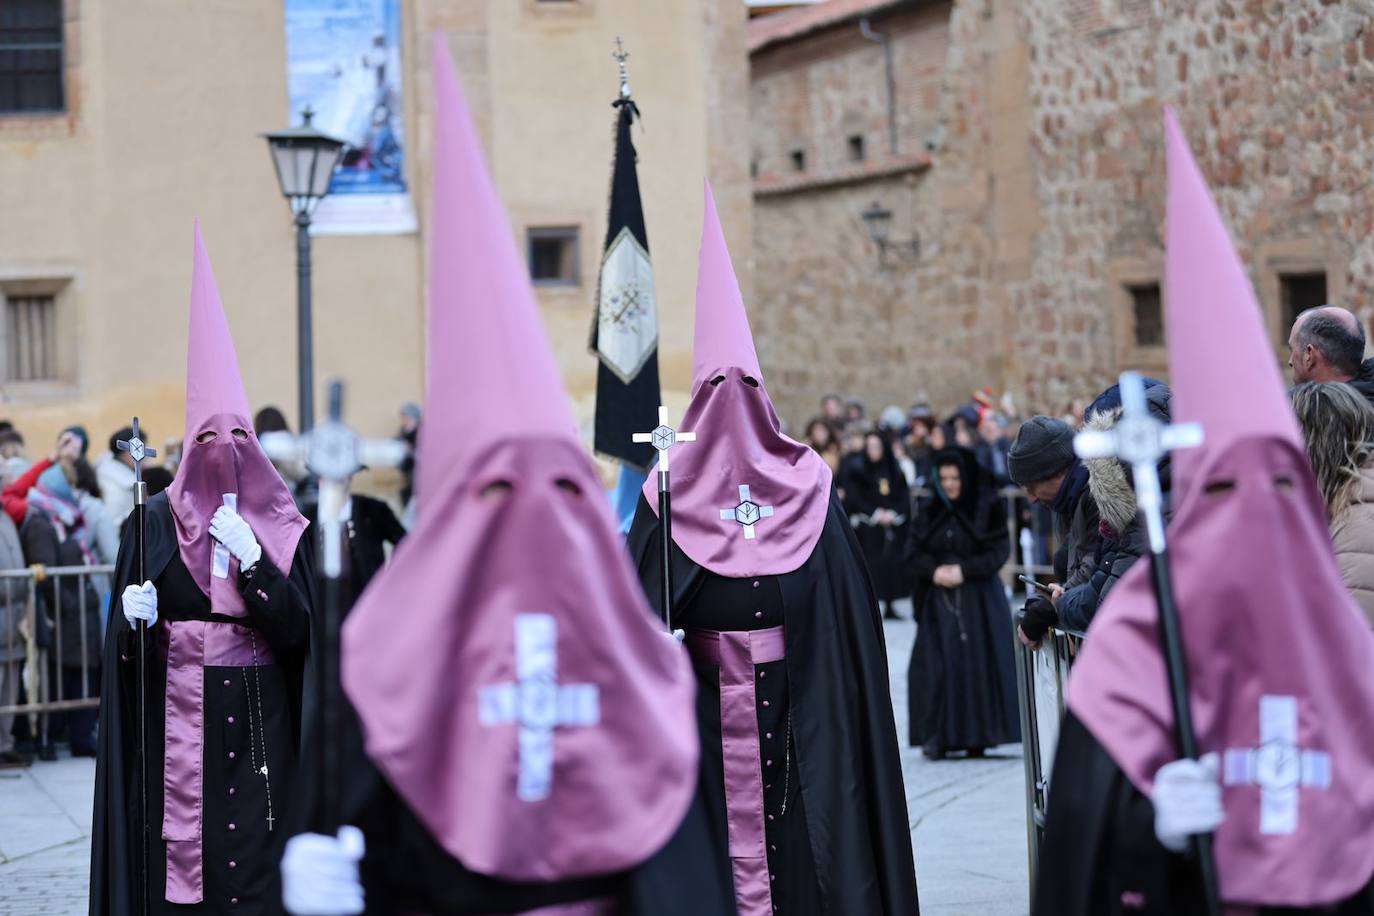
1042	462
1117	538
1327	345
1123	538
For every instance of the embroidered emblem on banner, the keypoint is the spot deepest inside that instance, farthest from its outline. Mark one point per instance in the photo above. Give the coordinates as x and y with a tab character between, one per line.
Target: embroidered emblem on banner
627	313
1278	766
537	703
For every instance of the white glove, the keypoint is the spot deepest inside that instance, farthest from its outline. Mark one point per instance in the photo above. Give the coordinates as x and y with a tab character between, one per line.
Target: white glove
319	874
1187	800
229	528
140	603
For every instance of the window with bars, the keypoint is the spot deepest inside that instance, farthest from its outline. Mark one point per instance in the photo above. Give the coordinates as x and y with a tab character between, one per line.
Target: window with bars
30	338
1149	314
30	56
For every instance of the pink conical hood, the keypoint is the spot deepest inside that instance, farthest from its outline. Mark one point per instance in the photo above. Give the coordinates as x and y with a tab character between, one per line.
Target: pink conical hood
723	339
485	331
1221	361
530	711
1280	659
741	468
213	383
230	461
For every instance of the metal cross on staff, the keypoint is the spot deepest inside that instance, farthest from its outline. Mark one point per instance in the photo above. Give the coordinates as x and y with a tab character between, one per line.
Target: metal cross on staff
1140	440
139	452
663	438
334	453
621	55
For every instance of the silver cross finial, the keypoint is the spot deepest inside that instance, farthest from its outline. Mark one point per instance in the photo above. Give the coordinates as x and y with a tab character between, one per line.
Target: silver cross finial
138	451
334	453
663	438
1140	440
621	55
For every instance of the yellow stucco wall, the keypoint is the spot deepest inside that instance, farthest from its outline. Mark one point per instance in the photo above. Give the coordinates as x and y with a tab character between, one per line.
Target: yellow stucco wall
165	104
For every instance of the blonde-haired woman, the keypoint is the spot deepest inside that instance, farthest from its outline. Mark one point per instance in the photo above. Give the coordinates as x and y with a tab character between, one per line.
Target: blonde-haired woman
1338	424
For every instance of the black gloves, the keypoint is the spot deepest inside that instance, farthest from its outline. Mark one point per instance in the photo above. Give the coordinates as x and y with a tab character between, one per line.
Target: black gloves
1037	617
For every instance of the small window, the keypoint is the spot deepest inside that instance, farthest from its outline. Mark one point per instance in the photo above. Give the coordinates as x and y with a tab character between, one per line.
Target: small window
799	160
856	148
553	254
31	326
30	56
1149	315
753	168
1300	292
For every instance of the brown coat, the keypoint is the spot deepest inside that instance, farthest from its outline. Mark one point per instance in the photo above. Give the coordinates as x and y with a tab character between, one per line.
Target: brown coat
1353	538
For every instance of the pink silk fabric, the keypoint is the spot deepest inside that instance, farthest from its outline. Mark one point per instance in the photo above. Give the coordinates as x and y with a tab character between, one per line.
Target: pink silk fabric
191	647
737	653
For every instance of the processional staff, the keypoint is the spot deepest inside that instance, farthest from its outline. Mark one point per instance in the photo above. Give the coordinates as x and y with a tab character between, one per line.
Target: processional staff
1140	440
663	438
138	452
334	453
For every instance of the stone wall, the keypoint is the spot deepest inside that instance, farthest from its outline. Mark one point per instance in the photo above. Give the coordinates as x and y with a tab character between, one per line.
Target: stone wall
1043	200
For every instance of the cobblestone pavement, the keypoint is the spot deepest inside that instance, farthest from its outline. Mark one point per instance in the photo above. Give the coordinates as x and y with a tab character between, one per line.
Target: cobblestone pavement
967	822
45	834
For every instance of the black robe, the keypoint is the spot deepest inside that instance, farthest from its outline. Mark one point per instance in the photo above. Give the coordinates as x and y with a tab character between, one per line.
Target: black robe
1100	847
869	487
405	870
855	844
370	527
240	854
961	685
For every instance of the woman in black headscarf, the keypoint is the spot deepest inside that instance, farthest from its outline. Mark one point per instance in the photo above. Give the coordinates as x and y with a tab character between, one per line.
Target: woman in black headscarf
878	502
961	683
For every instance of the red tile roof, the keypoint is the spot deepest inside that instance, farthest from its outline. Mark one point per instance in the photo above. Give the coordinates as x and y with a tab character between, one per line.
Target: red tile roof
792	24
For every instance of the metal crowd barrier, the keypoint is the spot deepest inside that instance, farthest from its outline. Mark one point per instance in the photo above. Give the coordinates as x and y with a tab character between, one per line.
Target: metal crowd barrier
35	595
1042	679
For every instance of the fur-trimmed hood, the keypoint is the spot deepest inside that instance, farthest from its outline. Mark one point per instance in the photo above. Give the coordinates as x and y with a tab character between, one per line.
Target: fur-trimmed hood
1109	481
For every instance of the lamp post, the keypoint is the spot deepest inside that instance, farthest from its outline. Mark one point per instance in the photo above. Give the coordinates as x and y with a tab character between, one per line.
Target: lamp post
305	160
878	220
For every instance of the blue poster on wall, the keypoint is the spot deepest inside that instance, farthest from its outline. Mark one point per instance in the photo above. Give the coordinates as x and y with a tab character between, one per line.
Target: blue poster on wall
343	60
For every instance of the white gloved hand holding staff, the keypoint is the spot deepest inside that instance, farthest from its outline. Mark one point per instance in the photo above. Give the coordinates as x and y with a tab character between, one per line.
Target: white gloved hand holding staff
140	603
1187	800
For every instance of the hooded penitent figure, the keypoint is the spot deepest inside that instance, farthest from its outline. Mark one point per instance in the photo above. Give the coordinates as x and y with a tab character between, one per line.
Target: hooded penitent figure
1280	660
226	591
522	735
799	751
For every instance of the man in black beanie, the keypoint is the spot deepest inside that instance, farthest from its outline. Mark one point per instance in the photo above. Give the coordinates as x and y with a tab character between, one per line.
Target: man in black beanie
1043	463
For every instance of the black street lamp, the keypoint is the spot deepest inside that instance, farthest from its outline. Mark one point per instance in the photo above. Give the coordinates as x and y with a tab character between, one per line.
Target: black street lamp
305	160
878	220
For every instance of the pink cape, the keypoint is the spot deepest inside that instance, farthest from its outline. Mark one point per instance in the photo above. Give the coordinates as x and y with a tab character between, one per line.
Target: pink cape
1280	660
747	500
216	402
511	681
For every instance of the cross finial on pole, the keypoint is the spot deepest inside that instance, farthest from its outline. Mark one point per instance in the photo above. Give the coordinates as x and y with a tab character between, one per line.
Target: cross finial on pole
334	453
621	55
1140	441
138	451
664	437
